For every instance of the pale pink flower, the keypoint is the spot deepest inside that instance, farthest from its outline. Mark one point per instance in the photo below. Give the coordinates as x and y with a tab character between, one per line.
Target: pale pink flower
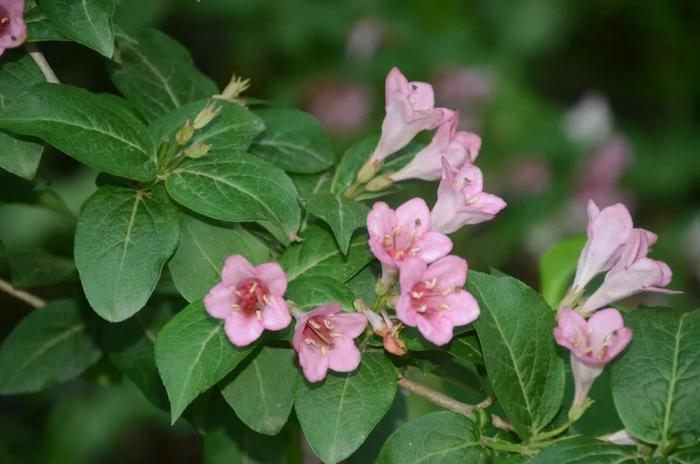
458	147
462	200
395	236
433	299
13	30
324	339
249	299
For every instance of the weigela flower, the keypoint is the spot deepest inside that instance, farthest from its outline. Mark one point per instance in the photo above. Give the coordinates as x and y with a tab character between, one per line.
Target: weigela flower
325	339
461	199
433	299
249	299
13	30
457	147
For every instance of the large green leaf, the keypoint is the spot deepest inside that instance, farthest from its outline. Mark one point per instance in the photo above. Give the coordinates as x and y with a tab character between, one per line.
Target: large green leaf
203	248
438	438
515	331
94	129
123	240
294	141
18	72
312	291
262	393
88	22
235	186
341	213
338	414
40	28
557	268
655	380
156	74
192	355
50	345
319	255
581	450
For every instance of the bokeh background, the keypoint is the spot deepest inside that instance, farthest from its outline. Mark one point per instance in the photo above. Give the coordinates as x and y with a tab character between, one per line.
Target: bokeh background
573	100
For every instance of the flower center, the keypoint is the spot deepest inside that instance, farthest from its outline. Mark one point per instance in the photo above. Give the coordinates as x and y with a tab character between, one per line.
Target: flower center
251	297
319	333
401	244
4	20
427	296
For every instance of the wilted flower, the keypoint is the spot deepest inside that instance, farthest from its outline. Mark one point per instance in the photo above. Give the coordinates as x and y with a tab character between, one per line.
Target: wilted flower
13	30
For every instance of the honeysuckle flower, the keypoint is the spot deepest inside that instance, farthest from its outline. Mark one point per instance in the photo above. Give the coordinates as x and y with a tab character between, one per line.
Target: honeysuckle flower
457	147
249	299
395	236
325	339
461	199
593	343
433	299
13	30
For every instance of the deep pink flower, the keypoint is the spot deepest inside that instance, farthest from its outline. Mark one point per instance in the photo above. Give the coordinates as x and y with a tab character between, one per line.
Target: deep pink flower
324	339
461	199
395	236
433	299
249	299
13	30
458	147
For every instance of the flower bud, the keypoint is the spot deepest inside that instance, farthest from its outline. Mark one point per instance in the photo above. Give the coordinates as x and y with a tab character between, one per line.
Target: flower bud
379	183
368	170
206	116
185	133
198	150
234	89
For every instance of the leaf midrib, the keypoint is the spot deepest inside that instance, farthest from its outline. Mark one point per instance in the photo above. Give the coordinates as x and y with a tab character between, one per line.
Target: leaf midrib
672	381
156	72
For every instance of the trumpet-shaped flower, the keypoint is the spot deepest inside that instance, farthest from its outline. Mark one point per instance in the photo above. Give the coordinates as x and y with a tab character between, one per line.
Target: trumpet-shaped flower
13	30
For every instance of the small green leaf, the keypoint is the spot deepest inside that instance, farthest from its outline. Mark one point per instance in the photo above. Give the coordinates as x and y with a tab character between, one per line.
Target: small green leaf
157	75
557	268
654	381
123	240
313	291
580	449
294	141
338	414
438	438
193	354
88	22
203	248
94	129
50	345
341	213
263	392
515	331
319	255
235	186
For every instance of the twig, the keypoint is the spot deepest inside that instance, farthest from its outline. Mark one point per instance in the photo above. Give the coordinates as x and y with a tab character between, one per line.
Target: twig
40	61
32	300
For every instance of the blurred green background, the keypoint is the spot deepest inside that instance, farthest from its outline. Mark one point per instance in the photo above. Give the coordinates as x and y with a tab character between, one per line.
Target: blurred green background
573	100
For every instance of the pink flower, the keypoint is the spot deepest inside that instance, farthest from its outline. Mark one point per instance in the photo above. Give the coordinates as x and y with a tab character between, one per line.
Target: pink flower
324	339
249	299
410	109
457	147
461	199
608	231
432	297
600	178
342	106
395	236
13	30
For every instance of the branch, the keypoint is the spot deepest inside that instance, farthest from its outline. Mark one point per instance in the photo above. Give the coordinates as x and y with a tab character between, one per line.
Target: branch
32	300
40	61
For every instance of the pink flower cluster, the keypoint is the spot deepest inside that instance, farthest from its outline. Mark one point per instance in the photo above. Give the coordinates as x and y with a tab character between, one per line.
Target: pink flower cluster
13	30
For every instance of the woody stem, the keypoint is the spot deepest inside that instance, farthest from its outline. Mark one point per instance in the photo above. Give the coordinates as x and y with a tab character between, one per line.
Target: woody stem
43	65
32	300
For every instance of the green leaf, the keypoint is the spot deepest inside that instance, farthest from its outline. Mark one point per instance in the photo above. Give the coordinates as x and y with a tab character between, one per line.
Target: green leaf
193	354
319	255
338	414
557	268
234	128
130	346
50	345
363	285
438	438
40	29
341	213
309	185
157	75
204	246
236	187
310	292
654	381
94	129
88	22
515	331
37	268
262	394
123	239
580	449
294	141
19	156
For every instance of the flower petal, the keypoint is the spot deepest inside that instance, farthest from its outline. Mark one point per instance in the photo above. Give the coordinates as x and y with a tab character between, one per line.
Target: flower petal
272	275
344	356
436	328
450	272
434	245
349	324
313	364
242	329
463	308
236	269
414	214
219	301
405	311
276	316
